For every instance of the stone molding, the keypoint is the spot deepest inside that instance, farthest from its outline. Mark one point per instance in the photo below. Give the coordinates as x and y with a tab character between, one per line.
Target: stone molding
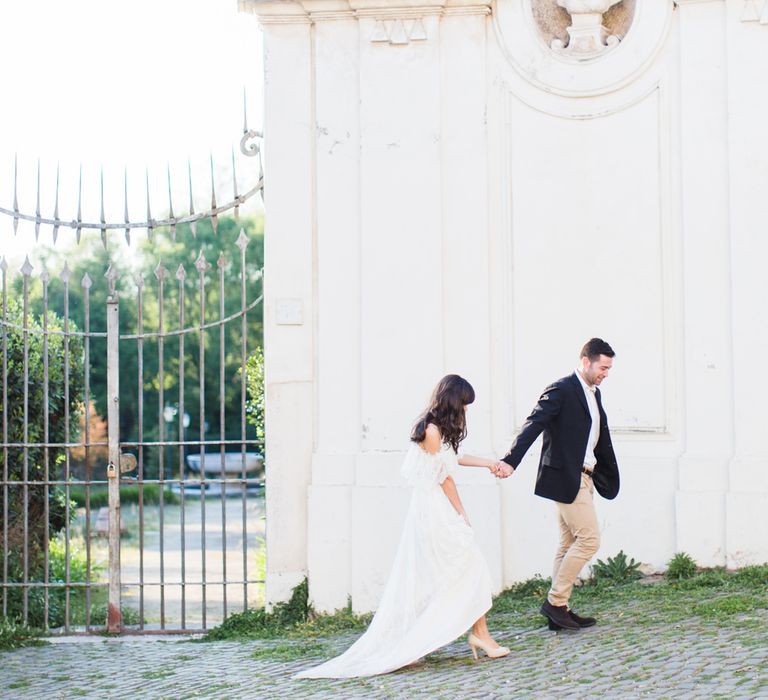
755	11
392	13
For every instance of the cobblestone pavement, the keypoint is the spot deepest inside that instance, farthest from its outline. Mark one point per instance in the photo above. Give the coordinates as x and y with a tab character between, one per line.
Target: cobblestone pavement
614	660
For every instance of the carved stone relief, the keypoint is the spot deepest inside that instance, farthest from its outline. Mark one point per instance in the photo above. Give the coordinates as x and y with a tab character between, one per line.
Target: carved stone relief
575	27
755	11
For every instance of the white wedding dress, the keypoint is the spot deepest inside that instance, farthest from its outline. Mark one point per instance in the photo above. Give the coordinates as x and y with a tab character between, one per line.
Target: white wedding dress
438	587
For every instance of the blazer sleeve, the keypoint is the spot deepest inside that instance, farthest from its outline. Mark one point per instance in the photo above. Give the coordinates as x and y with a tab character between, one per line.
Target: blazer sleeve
547	408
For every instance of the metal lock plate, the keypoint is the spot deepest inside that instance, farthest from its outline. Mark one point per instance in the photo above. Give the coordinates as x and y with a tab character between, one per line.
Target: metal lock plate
127	462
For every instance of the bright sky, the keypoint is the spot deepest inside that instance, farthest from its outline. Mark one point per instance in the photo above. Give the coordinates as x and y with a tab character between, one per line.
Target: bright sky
114	84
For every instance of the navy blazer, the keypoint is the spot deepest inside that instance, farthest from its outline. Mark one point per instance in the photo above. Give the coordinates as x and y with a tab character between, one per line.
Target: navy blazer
562	414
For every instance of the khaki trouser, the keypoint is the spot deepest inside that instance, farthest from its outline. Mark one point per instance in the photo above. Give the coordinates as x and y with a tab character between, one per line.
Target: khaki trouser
579	540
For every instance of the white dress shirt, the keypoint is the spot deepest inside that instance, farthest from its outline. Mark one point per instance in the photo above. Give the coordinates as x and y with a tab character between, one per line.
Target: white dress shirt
594	432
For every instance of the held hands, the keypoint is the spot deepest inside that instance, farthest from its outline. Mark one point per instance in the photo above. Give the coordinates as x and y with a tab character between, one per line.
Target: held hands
501	470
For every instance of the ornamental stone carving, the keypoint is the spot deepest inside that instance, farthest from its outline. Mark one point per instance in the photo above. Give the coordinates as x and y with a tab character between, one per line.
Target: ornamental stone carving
582	29
587	37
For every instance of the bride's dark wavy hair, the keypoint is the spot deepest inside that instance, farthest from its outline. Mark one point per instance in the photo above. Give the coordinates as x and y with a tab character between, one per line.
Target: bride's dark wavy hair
446	411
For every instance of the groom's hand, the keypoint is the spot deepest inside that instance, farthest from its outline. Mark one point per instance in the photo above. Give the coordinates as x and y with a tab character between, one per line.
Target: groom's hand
502	470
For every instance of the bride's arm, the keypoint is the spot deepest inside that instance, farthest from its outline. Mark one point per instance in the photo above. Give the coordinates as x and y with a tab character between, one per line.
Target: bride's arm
472	461
432	444
452	493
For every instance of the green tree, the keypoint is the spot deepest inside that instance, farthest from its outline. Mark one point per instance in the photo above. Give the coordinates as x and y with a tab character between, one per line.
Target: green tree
26	506
92	260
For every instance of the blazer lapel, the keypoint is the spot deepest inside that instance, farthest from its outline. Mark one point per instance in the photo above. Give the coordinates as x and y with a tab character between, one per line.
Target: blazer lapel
580	392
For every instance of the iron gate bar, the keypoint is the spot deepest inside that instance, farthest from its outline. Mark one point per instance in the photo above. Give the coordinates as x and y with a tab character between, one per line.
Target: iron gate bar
86	284
153	334
25	450
202	266
140	459
114	612
4	267
222	451
46	453
242	243
65	278
181	276
161	273
78	224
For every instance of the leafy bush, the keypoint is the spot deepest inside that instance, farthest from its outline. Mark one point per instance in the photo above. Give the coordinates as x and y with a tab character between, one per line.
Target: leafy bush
292	618
680	566
254	382
13	636
31	521
99	496
616	570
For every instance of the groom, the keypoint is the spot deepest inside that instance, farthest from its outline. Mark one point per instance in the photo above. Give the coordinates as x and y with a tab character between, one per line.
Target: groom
576	458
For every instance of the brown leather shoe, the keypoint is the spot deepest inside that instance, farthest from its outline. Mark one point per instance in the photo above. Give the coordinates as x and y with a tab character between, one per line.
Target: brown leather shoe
558	614
580	621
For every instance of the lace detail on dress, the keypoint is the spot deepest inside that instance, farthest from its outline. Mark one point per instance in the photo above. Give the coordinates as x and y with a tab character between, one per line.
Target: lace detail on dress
422	467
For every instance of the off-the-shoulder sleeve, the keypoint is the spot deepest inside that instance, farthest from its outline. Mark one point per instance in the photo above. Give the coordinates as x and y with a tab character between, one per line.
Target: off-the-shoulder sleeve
420	467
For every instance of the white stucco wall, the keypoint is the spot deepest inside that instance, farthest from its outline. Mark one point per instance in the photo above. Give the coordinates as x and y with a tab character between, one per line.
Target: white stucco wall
472	202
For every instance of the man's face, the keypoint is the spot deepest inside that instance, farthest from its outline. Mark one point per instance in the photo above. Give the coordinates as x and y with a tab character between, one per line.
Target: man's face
595	372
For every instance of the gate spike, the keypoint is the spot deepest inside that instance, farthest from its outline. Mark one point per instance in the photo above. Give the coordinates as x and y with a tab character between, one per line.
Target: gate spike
242	240
234	182
161	272
103	220
192	224
56	208
86	282
125	197
170	204
65	273
111	275
181	273
37	207
139	279
3	264
214	218
26	268
222	261
15	198
150	226
44	276
79	204
201	264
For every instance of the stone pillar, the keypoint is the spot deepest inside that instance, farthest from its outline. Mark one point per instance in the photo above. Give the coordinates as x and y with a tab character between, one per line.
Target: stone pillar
289	293
747	502
708	382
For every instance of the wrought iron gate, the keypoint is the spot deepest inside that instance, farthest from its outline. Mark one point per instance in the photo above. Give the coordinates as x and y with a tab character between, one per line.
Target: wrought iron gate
167	588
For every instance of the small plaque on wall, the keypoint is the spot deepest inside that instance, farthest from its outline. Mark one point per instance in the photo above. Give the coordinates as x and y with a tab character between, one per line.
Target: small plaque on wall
290	312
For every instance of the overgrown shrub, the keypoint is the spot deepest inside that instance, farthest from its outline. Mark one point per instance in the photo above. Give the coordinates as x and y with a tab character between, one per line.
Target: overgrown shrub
254	382
616	570
681	566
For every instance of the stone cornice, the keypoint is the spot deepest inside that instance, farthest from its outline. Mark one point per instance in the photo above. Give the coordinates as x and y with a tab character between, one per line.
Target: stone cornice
307	11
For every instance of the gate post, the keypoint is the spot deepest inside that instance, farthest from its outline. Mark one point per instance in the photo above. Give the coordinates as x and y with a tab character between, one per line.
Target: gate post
114	616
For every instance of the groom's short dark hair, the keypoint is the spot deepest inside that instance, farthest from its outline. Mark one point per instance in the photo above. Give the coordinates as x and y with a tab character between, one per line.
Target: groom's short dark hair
595	347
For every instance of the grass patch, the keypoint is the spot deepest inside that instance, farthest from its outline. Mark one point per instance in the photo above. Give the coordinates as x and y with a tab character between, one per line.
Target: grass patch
99	495
15	636
295	618
292	651
729	605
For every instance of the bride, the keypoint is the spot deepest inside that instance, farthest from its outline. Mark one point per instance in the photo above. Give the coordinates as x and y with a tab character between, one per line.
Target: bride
439	585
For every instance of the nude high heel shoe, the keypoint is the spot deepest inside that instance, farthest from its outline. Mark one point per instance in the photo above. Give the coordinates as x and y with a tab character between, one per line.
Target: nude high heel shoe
491	652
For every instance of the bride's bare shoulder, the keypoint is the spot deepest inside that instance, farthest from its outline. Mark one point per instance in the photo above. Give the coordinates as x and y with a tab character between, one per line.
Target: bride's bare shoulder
433	439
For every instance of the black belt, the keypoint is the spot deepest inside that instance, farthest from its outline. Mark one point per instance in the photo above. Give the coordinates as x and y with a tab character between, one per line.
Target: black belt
588	472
